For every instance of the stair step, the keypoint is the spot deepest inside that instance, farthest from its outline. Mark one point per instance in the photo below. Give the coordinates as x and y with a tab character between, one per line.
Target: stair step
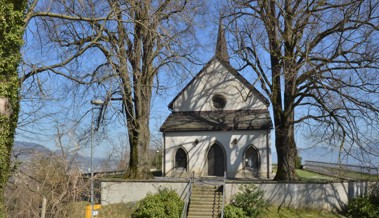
206	209
206	204
205	201
204	213
206	198
210	206
204	187
202	216
206	193
213	205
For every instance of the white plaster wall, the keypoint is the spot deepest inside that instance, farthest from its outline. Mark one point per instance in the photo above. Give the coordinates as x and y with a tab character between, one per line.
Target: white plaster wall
216	80
327	196
130	192
197	155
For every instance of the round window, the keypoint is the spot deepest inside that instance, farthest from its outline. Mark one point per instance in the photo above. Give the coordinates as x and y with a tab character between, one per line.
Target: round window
218	101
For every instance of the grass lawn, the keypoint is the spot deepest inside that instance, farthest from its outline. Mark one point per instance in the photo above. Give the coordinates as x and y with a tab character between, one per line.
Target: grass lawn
116	211
78	210
274	212
125	210
308	176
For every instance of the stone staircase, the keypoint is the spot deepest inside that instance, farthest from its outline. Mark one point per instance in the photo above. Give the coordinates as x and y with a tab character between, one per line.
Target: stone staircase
205	201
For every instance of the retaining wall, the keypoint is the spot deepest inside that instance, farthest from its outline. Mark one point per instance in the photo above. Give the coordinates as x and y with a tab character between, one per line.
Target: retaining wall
132	191
325	196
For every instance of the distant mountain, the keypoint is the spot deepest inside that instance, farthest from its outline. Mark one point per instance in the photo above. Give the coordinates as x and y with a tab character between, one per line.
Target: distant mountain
24	151
84	163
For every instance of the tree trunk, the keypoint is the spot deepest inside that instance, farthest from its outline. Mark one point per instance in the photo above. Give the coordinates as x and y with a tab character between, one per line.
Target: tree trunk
139	135
9	107
11	32
286	152
139	140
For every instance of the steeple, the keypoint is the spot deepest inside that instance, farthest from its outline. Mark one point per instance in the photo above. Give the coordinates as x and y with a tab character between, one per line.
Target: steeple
221	47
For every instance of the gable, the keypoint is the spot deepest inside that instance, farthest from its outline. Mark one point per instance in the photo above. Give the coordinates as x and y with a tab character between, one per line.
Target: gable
218	79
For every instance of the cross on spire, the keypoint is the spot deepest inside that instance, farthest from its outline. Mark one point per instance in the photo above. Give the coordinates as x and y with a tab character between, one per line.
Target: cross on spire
221	46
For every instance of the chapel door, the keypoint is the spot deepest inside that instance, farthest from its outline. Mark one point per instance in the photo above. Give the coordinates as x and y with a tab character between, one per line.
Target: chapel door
216	161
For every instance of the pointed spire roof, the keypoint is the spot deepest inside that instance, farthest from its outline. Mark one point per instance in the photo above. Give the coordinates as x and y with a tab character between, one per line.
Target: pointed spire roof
221	46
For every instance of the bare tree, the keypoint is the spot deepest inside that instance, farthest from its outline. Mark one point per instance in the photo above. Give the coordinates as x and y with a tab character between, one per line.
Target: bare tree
117	154
114	50
48	176
317	62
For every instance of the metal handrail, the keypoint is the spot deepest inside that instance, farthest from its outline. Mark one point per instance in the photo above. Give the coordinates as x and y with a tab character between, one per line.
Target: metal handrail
186	204
223	196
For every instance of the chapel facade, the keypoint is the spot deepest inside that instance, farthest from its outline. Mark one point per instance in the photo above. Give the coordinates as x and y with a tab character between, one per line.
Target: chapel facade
219	124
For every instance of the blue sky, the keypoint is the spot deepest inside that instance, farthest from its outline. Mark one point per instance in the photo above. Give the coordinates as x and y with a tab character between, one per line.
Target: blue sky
44	129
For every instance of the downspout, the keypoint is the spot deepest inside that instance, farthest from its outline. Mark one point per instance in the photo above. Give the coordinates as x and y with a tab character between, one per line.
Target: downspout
268	154
164	154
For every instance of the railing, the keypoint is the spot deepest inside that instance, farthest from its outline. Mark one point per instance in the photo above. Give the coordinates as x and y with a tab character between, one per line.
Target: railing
350	167
223	196
105	173
189	193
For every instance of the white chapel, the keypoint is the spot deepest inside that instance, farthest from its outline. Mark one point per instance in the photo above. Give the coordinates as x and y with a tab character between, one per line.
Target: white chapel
219	123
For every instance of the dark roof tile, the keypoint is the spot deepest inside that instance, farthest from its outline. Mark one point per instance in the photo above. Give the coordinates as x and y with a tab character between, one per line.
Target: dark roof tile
217	121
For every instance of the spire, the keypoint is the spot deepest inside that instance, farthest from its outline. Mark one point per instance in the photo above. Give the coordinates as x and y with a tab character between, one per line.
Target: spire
221	47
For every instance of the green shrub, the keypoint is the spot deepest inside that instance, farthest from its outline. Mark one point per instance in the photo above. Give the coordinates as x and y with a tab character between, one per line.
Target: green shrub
298	161
231	211
366	206
165	204
251	201
374	194
362	207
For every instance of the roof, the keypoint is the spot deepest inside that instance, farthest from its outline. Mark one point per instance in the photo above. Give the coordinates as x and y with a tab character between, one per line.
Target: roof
231	70
217	120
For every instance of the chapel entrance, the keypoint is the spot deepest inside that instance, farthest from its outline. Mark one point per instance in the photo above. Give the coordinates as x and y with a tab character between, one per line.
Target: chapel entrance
216	162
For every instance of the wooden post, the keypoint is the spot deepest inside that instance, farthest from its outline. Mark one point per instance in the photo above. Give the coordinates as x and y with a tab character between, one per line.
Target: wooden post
43	212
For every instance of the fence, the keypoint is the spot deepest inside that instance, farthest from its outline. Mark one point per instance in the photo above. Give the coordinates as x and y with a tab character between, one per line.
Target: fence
347	167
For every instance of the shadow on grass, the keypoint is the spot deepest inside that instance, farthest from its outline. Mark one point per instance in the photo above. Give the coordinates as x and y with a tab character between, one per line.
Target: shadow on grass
275	212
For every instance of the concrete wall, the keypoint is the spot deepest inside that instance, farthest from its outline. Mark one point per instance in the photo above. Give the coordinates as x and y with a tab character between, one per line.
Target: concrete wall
131	192
328	196
217	80
234	153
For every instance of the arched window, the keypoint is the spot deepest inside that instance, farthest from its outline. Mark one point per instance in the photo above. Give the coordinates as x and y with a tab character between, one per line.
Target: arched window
181	158
251	160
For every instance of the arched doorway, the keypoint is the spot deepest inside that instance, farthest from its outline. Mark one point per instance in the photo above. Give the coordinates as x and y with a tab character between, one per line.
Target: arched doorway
216	162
